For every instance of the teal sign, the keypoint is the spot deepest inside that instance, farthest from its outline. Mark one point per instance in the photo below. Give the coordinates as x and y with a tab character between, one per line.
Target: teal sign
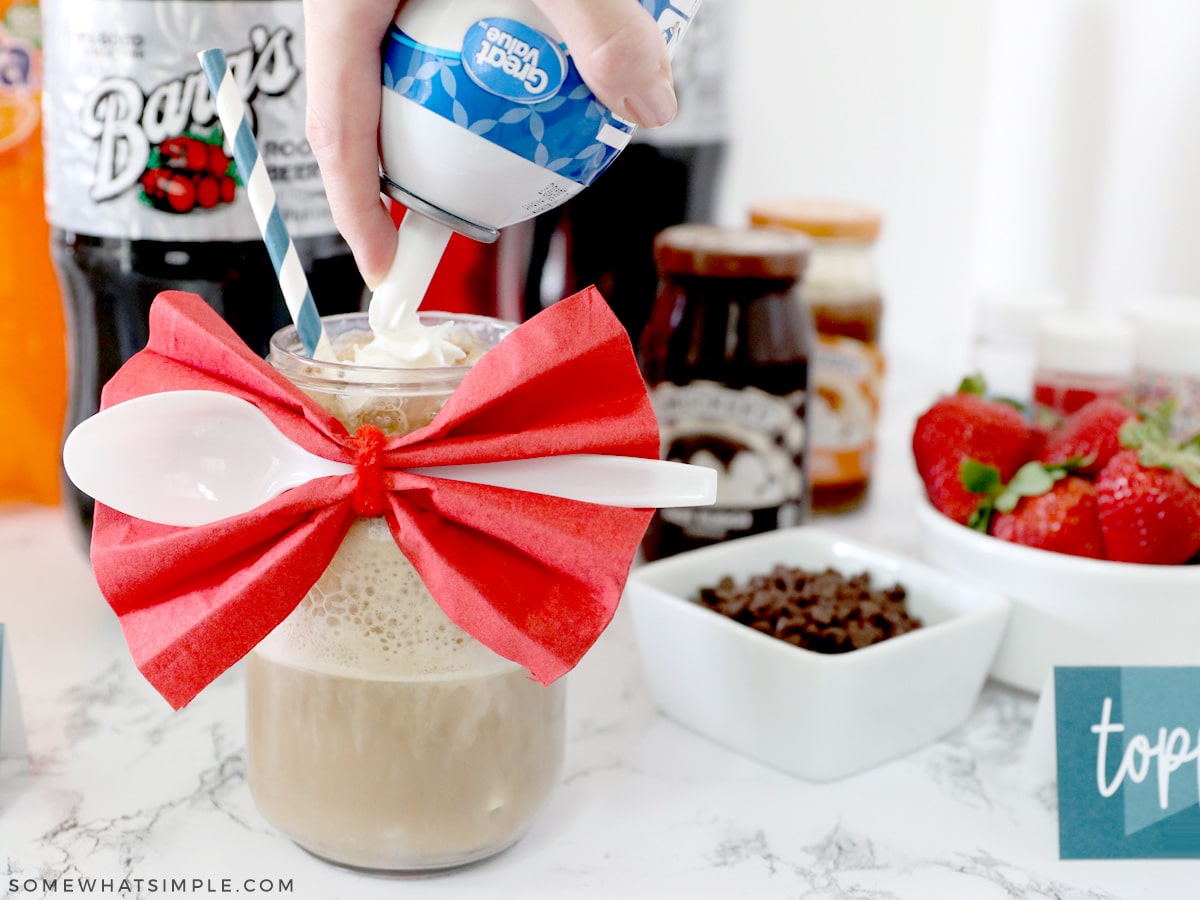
1128	762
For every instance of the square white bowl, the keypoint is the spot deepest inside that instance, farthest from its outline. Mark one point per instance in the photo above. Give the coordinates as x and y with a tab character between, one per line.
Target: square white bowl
817	716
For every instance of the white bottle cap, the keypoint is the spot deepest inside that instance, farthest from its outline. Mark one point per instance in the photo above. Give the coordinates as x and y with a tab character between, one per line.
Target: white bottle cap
1011	318
1167	334
1085	343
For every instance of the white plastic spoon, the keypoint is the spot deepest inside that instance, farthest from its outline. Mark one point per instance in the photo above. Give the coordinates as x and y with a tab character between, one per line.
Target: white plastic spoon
194	457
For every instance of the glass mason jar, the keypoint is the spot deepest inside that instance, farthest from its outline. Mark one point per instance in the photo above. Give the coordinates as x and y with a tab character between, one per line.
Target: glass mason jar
379	734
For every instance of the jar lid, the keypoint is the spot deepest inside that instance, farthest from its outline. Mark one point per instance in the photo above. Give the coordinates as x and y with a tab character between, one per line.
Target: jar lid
819	218
1085	343
1167	334
719	252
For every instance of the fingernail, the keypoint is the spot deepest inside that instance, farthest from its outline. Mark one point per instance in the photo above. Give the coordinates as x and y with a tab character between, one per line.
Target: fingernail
654	106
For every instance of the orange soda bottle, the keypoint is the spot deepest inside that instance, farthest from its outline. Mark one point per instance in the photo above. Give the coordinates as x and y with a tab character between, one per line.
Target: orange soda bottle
32	337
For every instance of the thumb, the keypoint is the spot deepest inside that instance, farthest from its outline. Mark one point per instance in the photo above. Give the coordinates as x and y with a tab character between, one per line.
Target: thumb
621	55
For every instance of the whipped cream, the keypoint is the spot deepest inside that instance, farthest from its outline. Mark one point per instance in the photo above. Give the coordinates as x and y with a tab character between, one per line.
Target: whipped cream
400	339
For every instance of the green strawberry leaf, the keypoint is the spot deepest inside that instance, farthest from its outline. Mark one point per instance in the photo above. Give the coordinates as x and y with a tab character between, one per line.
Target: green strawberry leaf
1135	433
1153	426
1032	480
1072	464
1190	468
981	517
984	479
1161	417
1158	456
1046	418
1186	459
973	384
980	478
1151	438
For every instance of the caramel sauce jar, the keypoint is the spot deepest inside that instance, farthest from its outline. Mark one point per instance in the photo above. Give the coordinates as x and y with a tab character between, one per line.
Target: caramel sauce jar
841	290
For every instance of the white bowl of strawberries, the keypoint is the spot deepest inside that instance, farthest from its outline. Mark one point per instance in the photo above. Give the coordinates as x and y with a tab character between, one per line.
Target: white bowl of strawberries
1092	529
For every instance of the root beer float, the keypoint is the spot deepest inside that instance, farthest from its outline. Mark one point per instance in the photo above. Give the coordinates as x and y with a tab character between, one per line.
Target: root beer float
407	633
381	735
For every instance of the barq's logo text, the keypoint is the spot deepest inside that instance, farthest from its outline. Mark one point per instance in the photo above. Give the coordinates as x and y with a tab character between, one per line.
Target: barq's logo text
126	123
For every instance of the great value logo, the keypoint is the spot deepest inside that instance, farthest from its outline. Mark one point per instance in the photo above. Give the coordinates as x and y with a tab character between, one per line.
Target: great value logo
128	124
513	61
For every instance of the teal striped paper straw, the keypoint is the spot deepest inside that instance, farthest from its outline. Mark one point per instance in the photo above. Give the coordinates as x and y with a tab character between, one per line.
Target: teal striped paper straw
238	134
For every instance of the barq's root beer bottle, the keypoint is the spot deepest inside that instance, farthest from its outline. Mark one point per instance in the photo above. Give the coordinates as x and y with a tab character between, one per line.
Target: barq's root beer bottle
725	356
140	193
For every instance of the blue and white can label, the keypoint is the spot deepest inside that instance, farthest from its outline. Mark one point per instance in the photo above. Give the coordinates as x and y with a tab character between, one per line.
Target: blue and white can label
519	89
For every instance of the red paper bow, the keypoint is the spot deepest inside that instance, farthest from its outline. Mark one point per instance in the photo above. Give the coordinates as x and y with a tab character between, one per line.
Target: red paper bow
535	578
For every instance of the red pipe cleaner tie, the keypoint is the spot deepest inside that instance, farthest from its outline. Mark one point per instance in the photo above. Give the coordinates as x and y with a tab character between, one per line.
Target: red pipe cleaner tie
369	499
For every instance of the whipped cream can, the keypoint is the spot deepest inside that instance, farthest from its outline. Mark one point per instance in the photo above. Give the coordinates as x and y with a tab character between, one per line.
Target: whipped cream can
485	120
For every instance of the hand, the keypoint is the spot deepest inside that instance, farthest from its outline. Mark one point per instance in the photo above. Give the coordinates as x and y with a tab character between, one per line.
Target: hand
615	43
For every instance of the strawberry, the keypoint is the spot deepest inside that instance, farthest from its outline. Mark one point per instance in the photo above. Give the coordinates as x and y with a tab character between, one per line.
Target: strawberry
1148	514
1037	443
1149	495
962	427
1064	519
1091	435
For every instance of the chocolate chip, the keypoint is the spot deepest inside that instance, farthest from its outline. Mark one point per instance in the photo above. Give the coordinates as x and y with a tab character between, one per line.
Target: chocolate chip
821	611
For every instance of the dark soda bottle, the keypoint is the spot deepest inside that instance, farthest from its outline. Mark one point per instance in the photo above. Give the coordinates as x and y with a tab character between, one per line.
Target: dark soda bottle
605	236
140	193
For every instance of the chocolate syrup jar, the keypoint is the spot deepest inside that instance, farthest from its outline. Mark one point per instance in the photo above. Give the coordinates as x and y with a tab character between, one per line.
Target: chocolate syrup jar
726	358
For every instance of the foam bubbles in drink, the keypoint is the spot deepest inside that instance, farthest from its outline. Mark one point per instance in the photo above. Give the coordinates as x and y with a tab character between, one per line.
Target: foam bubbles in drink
381	735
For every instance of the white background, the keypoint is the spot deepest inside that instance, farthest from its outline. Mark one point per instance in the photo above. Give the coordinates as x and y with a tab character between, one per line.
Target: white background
1011	144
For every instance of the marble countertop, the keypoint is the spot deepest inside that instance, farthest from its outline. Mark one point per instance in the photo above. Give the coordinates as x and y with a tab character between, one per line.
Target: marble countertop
118	787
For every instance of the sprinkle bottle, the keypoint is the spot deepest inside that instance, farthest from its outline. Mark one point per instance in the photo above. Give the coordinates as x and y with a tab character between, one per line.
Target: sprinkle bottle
1080	356
1167	359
